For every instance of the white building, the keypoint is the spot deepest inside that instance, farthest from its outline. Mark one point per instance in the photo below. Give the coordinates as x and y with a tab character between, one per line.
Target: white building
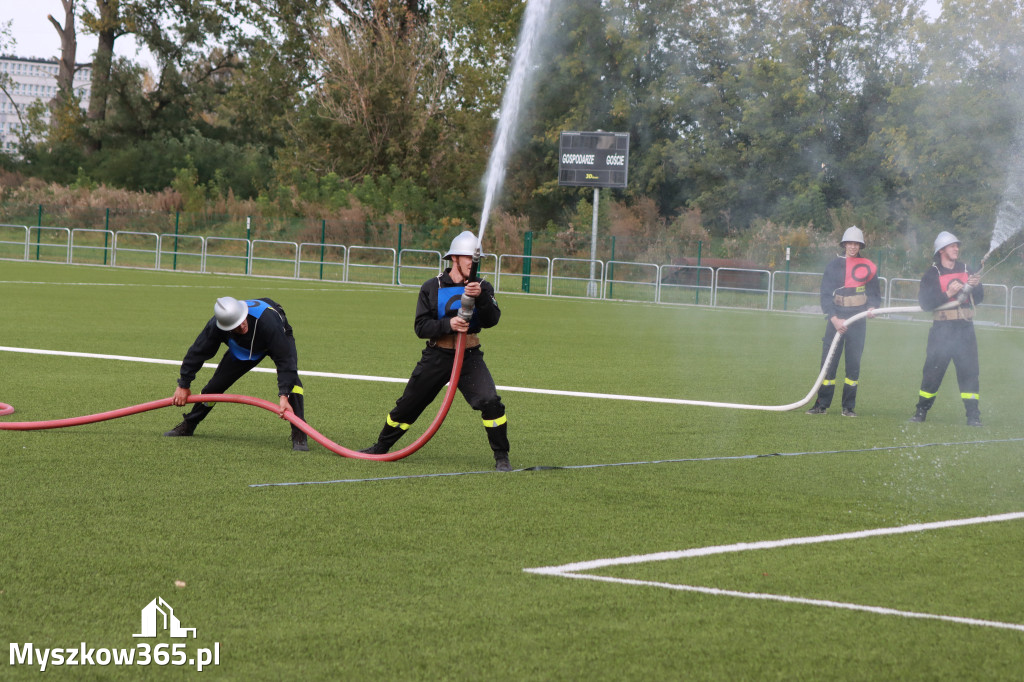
31	80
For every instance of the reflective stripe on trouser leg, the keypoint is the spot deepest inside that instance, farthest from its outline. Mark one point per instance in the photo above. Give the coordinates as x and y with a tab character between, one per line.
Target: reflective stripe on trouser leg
925	399
825	393
297	399
393	424
849	394
390	434
497	435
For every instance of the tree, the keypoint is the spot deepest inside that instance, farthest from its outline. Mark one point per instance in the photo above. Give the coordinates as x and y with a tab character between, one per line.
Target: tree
948	135
68	52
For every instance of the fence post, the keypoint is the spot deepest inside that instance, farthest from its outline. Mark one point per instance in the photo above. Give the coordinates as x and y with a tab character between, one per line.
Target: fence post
323	238
106	235
696	299
527	261
399	253
248	232
177	216
611	271
39	232
785	297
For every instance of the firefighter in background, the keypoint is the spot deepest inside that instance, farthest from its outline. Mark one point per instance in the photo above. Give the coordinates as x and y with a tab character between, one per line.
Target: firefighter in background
251	330
437	321
849	286
952	334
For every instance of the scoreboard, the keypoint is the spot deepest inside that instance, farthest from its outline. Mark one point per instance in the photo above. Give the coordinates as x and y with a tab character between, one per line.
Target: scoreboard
596	159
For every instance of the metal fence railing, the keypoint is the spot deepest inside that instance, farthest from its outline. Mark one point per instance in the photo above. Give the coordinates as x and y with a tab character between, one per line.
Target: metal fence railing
723	287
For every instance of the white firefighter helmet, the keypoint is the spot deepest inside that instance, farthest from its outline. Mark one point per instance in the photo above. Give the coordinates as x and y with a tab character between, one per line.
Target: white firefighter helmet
943	240
465	244
229	312
852	234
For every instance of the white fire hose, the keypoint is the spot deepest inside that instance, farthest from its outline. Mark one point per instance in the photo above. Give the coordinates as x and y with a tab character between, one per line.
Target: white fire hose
824	366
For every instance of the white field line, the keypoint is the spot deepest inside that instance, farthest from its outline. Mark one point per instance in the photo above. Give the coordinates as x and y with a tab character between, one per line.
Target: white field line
354	377
342	286
572	570
177	363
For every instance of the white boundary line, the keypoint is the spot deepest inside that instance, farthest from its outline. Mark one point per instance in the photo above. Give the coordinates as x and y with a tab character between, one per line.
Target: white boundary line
354	377
572	570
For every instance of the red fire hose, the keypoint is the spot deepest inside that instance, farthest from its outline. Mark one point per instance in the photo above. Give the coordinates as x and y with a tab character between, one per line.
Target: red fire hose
449	396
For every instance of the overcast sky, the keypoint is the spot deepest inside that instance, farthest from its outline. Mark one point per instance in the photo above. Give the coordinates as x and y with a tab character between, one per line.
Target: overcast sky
36	36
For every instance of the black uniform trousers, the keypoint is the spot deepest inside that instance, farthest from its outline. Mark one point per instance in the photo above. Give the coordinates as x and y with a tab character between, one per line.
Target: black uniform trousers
229	370
852	345
951	340
430	375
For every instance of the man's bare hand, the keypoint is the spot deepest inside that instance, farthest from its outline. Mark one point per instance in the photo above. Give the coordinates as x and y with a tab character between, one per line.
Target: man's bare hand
180	396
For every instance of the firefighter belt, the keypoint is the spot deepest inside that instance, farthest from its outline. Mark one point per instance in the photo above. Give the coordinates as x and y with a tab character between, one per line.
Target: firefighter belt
954	314
850	301
448	341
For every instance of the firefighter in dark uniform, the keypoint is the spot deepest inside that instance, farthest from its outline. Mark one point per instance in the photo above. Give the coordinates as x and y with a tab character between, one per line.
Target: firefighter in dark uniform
848	286
251	330
952	334
437	321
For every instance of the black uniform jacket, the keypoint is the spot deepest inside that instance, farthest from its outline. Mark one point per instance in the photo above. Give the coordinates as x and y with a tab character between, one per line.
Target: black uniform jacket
439	301
845	277
935	282
269	335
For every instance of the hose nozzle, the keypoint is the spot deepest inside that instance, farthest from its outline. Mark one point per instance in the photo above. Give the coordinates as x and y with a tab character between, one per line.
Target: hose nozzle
968	288
964	293
468	303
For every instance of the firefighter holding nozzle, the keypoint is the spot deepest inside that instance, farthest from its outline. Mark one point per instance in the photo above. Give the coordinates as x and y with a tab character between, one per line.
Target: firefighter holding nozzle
438	320
849	286
952	334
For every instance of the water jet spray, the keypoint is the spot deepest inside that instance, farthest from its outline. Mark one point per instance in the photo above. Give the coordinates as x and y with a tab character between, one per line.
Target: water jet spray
515	93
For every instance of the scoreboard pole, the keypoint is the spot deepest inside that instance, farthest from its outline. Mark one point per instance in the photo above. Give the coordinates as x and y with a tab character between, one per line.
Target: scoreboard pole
593	159
592	285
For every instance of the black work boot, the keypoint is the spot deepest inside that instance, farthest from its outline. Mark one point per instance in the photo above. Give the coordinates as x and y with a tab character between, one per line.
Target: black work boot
389	435
817	409
185	428
501	462
973	413
192	419
923	405
299	443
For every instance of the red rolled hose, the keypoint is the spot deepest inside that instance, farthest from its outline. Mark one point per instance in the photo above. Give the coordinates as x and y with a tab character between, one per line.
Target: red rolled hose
449	396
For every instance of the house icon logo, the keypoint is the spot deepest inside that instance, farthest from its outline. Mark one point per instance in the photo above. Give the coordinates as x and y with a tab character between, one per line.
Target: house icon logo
158	614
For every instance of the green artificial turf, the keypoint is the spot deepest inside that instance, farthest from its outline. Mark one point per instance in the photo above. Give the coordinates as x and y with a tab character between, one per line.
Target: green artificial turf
405	574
